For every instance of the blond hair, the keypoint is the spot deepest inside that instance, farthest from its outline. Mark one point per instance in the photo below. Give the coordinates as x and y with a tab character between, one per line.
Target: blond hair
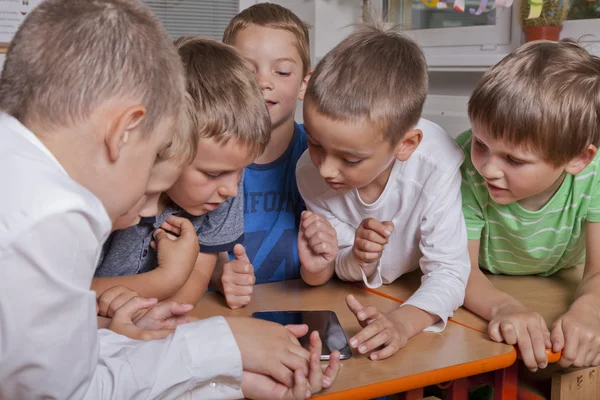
273	16
544	96
71	56
375	74
225	99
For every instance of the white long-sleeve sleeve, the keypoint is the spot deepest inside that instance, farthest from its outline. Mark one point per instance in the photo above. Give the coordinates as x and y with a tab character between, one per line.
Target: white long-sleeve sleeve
422	199
50	346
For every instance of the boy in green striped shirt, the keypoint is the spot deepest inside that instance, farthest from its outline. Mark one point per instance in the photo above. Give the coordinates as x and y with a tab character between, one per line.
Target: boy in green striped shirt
531	194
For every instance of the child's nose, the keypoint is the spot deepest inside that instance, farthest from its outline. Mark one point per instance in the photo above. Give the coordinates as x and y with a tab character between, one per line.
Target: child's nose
327	168
229	188
491	169
264	81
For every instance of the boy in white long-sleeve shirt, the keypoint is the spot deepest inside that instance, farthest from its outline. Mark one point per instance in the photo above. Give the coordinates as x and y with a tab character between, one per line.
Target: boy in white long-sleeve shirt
90	95
388	181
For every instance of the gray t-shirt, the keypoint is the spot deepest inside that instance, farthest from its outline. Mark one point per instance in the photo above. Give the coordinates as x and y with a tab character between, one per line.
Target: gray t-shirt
128	251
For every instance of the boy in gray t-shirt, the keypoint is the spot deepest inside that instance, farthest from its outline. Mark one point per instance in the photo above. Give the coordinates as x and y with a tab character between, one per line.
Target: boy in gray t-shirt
233	129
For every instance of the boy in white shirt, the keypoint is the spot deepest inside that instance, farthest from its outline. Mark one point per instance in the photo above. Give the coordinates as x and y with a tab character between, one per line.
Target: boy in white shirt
387	181
90	93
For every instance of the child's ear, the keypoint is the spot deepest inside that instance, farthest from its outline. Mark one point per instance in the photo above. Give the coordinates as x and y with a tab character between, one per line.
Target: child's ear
582	160
122	128
408	144
304	85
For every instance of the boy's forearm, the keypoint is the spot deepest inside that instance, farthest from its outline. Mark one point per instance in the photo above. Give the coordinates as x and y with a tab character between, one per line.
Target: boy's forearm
158	283
412	318
481	296
317	278
198	281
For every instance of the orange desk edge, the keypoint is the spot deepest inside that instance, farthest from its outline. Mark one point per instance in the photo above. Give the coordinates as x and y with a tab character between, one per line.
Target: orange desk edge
425	379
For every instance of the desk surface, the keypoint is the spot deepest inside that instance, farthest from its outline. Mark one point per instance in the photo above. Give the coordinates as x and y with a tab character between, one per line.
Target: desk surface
429	358
549	296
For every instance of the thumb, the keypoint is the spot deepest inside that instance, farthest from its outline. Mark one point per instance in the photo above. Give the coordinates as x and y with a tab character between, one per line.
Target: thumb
297	330
494	332
240	253
389	225
557	337
160	235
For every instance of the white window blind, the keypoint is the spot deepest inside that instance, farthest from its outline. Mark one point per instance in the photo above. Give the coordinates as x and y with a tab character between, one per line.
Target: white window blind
207	18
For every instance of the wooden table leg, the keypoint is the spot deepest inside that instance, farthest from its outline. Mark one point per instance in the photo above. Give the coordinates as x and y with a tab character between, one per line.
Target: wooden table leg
506	382
414	394
459	390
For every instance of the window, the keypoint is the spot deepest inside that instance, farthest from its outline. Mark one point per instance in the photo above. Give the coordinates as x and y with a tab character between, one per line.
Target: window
207	18
437	22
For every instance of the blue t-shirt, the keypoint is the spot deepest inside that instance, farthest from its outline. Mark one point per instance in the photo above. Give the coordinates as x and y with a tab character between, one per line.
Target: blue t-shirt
272	208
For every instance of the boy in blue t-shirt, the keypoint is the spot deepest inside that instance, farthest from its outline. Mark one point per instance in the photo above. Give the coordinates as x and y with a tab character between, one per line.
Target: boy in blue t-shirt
276	44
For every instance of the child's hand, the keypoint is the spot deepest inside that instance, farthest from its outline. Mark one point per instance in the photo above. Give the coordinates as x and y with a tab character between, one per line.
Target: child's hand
177	245
270	349
238	279
378	331
317	242
112	299
577	334
256	386
369	242
166	315
516	325
123	324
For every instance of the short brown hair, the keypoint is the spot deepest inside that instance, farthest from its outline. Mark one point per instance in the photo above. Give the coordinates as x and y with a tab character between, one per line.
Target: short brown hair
70	56
375	74
226	101
544	96
274	16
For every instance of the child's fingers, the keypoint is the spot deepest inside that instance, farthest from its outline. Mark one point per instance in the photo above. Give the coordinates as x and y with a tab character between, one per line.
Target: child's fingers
494	331
128	309
332	369
368	246
315	375
383	230
318	224
539	345
300	390
297	330
370	236
240	253
526	350
238	290
371	338
241	267
119	301
353	304
557	337
389	350
308	218
358	341
509	332
569	353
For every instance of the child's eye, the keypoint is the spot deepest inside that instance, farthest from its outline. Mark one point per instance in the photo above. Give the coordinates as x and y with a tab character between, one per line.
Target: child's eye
348	162
281	73
478	143
514	162
212	176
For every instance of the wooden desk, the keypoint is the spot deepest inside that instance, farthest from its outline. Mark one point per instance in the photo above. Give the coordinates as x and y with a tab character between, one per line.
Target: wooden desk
429	358
549	296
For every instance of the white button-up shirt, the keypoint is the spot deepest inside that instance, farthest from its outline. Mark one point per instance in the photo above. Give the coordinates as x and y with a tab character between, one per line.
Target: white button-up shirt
51	233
